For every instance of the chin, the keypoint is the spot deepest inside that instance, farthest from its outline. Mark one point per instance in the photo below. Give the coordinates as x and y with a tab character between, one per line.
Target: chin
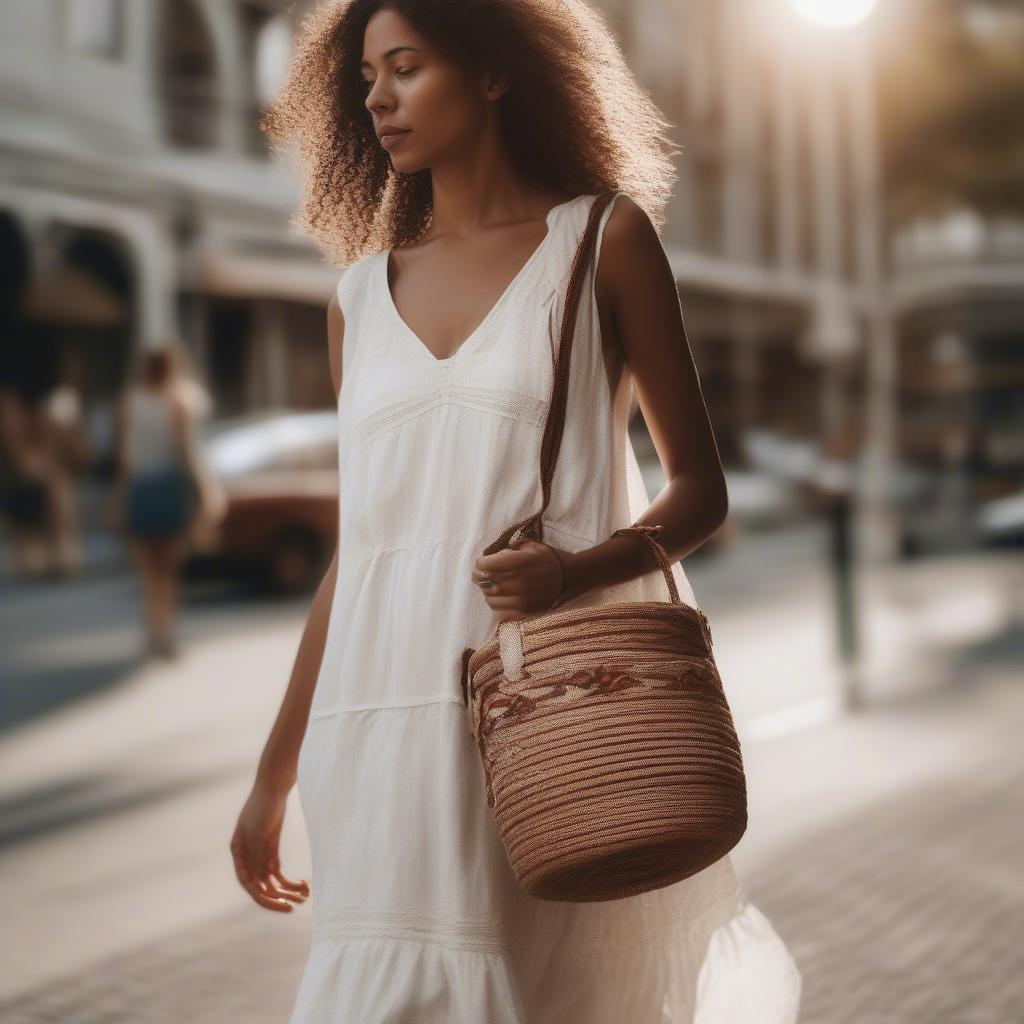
406	166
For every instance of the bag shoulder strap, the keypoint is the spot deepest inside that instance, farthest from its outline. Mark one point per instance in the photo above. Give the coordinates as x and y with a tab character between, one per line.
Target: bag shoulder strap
554	427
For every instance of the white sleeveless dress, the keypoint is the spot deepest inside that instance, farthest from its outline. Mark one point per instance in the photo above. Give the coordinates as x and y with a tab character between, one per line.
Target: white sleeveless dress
417	917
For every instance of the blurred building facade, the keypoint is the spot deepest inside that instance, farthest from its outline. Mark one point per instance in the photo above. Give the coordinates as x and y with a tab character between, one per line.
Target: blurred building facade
137	200
138	197
813	320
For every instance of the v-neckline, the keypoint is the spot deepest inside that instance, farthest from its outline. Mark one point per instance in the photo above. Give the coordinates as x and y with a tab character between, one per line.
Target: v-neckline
490	314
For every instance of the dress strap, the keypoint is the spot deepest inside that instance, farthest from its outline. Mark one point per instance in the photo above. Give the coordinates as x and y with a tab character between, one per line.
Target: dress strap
551	442
351	291
350	285
568	228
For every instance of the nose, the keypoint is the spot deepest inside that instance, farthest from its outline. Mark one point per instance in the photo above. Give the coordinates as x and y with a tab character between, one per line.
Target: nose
375	101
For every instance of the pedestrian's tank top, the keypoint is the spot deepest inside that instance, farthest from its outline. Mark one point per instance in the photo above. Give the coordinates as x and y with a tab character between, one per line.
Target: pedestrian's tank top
151	442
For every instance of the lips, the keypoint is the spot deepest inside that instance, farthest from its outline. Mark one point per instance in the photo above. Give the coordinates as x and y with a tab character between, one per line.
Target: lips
392	138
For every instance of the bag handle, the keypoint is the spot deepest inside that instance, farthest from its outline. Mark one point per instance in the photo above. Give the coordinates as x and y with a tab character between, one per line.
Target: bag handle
649	534
551	442
532	525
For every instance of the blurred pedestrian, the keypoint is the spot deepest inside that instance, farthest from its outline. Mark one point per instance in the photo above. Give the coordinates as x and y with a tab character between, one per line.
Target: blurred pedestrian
204	530
44	445
71	453
26	441
157	486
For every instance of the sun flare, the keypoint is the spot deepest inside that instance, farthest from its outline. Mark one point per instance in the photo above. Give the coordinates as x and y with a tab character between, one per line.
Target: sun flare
833	13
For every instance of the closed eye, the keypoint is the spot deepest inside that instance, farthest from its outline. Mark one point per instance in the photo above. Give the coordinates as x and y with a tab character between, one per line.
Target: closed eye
402	72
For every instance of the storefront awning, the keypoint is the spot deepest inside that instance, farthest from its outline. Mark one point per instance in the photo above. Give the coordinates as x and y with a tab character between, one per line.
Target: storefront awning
70	296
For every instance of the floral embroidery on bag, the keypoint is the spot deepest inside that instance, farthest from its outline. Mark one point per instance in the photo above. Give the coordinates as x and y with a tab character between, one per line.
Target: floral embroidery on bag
499	709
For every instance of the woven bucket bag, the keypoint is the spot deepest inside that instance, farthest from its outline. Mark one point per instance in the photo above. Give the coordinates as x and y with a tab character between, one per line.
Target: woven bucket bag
609	753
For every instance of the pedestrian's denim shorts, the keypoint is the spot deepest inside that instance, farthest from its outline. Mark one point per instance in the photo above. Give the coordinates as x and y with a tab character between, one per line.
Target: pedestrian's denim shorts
160	503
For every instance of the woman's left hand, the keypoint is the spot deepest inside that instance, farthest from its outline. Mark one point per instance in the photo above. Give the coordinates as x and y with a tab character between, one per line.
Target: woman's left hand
528	576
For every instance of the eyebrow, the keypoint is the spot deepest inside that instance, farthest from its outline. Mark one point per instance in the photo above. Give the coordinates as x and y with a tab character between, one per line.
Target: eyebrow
390	53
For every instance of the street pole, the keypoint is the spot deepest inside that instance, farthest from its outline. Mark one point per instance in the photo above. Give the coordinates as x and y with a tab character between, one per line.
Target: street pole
877	526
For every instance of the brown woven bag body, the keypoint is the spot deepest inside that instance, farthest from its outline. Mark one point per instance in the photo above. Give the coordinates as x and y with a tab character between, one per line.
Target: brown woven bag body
610	757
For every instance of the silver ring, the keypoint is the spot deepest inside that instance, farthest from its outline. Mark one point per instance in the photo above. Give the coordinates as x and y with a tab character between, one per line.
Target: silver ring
482	579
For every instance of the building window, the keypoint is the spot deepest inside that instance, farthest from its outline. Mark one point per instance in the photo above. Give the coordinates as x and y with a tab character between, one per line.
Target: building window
189	80
96	27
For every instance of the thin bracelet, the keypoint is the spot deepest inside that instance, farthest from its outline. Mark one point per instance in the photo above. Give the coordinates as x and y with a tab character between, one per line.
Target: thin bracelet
562	597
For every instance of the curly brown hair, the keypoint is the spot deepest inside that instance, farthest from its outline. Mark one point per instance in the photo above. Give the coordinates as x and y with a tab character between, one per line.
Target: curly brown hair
575	118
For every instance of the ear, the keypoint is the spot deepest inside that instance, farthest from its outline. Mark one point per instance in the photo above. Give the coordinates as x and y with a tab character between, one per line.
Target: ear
495	84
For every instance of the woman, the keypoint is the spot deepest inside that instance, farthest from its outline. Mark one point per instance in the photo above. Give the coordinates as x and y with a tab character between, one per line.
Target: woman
452	151
42	446
27	442
71	457
156	487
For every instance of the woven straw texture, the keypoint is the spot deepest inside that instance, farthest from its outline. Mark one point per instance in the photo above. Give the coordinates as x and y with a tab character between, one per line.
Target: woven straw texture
609	751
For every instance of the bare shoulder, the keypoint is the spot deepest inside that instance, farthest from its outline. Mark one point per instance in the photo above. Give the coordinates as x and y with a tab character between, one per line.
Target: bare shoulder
629	234
632	257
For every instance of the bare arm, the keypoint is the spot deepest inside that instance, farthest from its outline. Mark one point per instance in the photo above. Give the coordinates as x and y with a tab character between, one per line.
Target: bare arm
278	764
185	432
638	303
255	841
635	282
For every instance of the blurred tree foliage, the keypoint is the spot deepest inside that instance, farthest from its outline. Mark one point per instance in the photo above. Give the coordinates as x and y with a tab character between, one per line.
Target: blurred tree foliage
951	106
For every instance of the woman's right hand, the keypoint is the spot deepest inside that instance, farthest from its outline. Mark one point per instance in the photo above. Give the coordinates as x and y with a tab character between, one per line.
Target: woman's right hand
254	849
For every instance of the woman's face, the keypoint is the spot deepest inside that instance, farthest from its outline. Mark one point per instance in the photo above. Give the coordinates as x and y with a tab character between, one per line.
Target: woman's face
410	86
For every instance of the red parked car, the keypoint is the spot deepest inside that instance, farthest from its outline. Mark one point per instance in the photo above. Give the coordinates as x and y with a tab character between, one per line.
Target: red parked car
280	472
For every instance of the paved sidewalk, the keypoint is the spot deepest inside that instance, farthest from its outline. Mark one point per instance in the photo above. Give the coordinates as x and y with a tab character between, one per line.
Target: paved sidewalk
886	848
888	852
